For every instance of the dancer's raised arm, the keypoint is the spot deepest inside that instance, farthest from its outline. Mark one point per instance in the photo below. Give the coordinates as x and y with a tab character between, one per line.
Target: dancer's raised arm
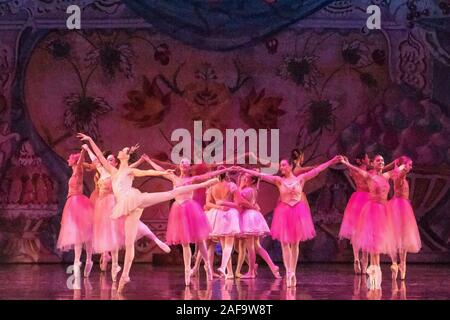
321	167
169	176
98	153
265	177
138	163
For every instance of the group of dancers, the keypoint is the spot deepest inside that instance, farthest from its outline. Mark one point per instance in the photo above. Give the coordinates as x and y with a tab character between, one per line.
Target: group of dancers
211	208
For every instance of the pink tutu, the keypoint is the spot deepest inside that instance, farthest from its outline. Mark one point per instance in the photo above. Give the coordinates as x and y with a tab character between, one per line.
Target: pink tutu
76	222
252	223
373	232
108	232
404	223
224	223
292	224
352	213
187	223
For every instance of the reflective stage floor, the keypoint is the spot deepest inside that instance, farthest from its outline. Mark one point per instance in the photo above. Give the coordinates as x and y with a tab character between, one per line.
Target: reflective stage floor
314	281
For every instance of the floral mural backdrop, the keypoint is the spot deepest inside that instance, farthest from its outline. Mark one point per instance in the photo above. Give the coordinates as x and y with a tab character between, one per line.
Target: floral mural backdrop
328	84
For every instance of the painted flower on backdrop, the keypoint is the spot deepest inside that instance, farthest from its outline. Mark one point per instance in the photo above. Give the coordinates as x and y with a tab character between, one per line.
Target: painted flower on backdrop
259	111
319	115
58	48
83	112
301	70
147	107
355	53
112	58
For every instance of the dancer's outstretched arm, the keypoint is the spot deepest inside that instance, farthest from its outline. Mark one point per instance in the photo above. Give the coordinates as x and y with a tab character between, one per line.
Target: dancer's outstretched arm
265	177
208	175
169	176
321	167
150	173
98	153
359	171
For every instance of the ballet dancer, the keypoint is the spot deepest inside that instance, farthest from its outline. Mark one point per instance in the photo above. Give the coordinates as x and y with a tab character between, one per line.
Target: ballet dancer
77	217
130	202
108	235
353	210
402	215
223	216
292	222
374	231
187	223
253	226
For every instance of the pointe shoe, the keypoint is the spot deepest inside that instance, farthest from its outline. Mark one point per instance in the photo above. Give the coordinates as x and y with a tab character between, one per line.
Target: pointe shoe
164	247
123	281
402	271
187	277
209	274
363	266
357	266
276	272
256	269
88	268
378	278
238	275
104	259
77	270
222	272
249	275
371	282
114	272
394	271
293	279
288	279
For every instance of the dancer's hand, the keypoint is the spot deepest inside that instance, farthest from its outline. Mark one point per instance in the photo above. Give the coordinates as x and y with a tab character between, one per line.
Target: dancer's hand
134	148
84	137
85	147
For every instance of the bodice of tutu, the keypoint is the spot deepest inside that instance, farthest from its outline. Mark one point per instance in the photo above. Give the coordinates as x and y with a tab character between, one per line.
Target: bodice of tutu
291	192
401	188
360	182
75	184
105	186
378	188
184	196
249	194
122	182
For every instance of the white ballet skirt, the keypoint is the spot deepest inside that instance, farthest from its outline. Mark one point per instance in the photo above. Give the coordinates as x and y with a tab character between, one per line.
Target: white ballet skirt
252	223
223	223
128	199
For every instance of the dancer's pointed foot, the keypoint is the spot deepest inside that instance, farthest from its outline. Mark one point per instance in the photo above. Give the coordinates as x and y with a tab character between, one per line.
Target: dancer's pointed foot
256	269
104	259
163	246
115	269
293	279
222	272
88	268
357	266
394	271
371	272
123	281
402	271
229	276
187	277
288	279
238	275
276	272
209	274
249	275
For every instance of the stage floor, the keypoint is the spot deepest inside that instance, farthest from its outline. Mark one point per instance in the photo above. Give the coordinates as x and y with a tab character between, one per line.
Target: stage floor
314	281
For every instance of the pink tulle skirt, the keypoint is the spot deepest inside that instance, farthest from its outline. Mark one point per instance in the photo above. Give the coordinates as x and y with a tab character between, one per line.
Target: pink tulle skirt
292	224
224	223
76	222
187	223
374	231
107	232
252	223
352	213
406	232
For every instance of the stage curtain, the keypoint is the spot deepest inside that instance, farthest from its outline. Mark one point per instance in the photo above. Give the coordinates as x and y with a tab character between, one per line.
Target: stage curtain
222	24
